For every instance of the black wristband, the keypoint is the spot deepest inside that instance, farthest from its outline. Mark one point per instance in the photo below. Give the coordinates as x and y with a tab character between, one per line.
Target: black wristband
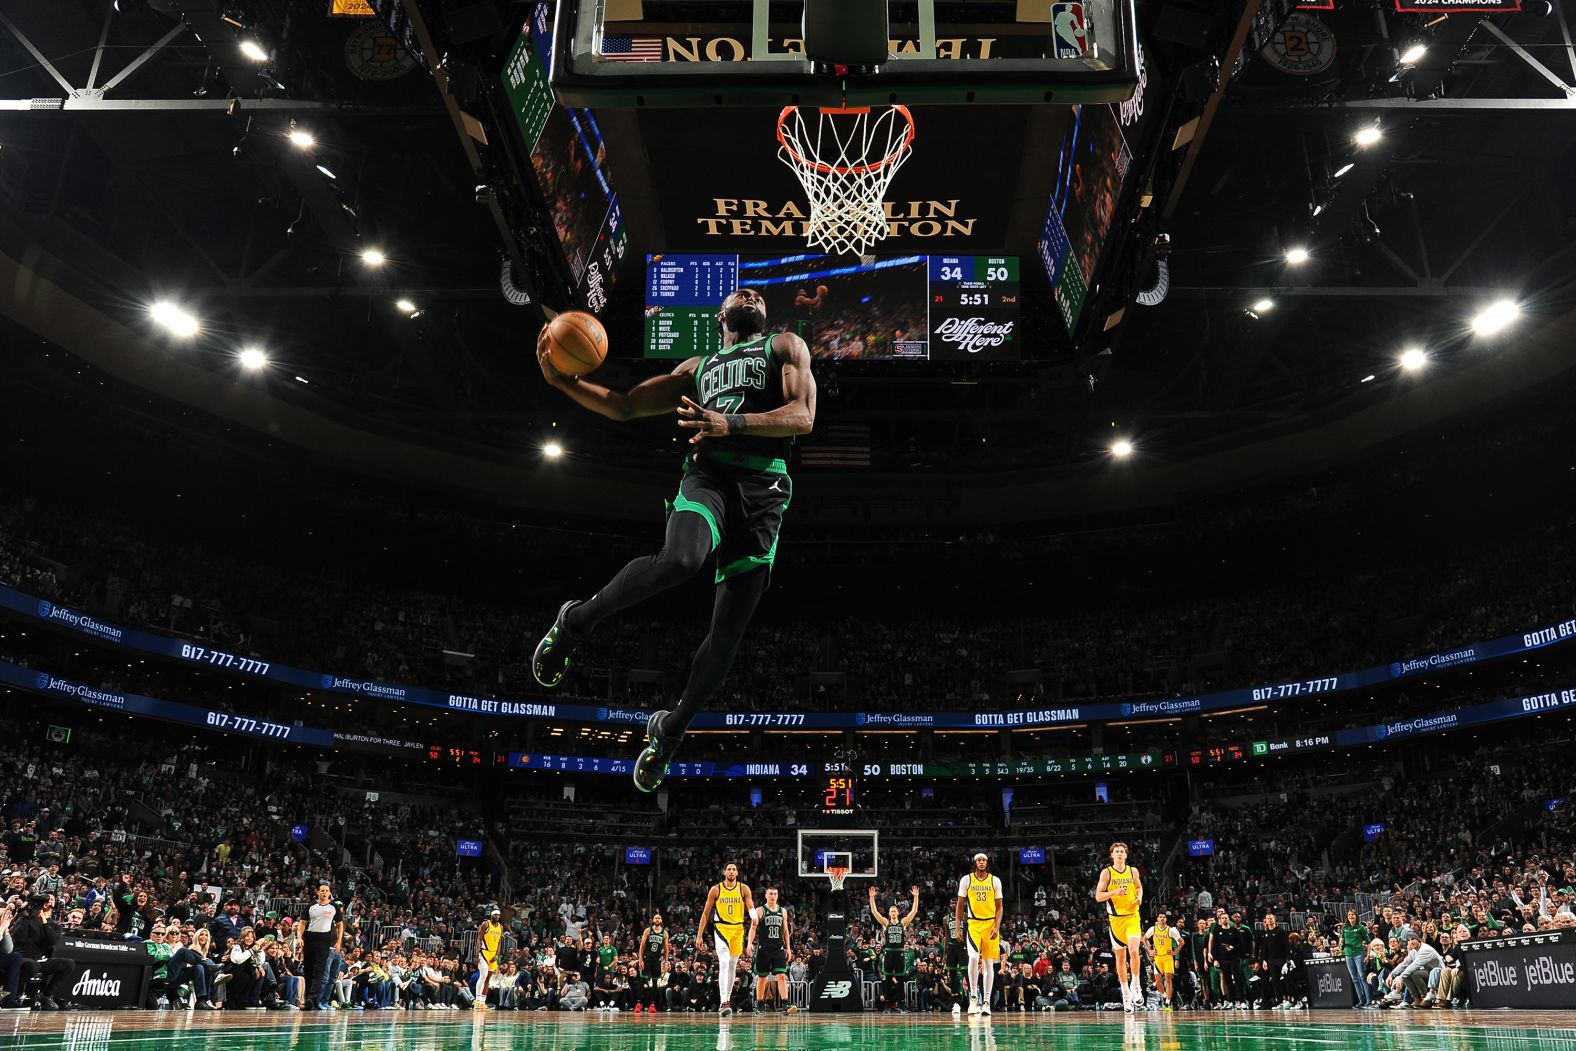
735	422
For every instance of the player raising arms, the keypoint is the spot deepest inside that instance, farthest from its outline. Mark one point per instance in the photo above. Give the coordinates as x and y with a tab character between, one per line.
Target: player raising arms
980	893
1123	892
776	940
1161	942
727	904
894	931
744	405
655	954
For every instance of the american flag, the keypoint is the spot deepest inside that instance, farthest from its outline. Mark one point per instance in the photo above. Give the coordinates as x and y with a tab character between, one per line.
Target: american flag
632	48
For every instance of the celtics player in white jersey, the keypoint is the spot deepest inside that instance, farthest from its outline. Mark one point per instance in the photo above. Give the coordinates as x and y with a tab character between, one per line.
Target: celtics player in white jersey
742	407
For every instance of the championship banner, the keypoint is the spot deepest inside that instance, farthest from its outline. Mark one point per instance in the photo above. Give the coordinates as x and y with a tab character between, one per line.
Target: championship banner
78	622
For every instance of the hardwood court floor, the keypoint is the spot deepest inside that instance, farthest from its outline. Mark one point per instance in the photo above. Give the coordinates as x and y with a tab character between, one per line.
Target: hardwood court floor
507	1031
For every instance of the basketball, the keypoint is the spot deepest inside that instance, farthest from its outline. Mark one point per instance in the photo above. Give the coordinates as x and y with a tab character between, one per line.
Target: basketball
577	342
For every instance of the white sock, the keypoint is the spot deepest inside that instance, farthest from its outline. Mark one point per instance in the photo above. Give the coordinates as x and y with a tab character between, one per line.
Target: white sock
988	979
974	979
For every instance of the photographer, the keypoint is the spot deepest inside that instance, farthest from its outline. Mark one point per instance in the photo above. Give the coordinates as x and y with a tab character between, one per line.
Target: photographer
35	935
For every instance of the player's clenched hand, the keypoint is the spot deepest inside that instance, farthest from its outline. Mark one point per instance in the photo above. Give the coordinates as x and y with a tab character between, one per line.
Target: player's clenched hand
701	420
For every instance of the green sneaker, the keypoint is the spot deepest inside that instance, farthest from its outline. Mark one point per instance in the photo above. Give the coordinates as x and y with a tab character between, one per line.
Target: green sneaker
552	655
651	765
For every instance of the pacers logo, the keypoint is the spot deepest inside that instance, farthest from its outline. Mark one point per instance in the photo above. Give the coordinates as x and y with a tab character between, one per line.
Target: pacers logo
372	53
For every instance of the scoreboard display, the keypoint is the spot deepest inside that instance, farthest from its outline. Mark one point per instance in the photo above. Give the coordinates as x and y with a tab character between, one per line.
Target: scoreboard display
913	308
837	796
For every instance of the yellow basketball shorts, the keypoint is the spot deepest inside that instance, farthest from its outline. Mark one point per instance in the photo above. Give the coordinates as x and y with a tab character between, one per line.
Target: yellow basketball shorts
1124	928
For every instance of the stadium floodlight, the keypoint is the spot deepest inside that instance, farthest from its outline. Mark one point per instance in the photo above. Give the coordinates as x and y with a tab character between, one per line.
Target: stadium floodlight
1413	54
1297	255
405	306
1367	136
1261	305
552	450
1343	169
171	317
1121	448
374	257
1496	316
1413	359
254	51
302	139
253	359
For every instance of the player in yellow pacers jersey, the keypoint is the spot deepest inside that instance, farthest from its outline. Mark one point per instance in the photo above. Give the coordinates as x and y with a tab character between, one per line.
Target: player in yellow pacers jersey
489	938
727	905
979	902
1161	942
1122	891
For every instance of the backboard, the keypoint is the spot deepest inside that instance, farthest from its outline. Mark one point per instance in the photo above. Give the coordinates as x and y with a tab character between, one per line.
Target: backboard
655	53
858	848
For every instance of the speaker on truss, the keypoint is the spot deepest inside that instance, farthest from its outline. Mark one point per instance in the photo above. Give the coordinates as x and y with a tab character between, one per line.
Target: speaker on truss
845	35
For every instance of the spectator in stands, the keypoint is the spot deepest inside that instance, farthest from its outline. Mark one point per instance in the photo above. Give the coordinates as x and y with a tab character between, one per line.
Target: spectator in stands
576	994
1410	978
10	959
35	934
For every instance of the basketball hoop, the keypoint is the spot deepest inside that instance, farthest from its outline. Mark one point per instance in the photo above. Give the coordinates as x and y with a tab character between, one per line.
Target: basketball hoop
845	159
835	875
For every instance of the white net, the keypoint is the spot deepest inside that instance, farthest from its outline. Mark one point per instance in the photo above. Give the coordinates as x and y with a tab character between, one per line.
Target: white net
845	160
836	876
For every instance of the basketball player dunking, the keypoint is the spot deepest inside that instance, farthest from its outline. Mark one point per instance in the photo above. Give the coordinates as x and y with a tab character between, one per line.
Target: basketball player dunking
980	894
744	404
776	941
726	906
1123	893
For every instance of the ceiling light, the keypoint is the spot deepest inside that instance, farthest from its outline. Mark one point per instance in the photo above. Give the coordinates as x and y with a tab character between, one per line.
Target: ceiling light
328	173
1261	305
254	51
173	318
406	306
1343	169
301	379
1367	136
373	257
1413	359
1122	448
1296	256
1413	54
1368	378
552	450
253	359
1318	208
1495	316
302	139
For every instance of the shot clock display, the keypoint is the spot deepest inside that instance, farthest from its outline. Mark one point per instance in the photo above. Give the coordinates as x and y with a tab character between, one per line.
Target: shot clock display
913	308
837	797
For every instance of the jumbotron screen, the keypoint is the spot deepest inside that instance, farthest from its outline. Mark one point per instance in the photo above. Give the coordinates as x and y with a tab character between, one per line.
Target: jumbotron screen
866	308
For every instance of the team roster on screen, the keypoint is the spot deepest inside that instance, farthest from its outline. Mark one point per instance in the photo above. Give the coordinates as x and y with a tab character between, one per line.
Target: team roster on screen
946	307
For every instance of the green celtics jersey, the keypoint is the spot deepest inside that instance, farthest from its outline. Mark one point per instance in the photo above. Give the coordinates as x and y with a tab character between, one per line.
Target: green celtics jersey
772	926
744	378
894	935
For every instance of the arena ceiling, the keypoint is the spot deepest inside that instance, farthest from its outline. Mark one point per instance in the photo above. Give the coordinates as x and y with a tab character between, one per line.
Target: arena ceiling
146	158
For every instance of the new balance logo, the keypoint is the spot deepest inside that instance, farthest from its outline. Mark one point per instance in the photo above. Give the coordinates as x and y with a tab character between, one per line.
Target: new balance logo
837	990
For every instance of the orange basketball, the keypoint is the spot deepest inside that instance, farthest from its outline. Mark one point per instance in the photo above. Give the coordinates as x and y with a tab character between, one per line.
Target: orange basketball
577	342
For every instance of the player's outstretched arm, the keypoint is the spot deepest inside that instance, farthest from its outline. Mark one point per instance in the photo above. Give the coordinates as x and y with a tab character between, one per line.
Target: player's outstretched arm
914	910
652	397
705	914
880	919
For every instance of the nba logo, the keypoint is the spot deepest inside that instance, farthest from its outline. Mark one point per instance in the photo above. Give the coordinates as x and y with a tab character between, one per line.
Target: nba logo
1069	30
